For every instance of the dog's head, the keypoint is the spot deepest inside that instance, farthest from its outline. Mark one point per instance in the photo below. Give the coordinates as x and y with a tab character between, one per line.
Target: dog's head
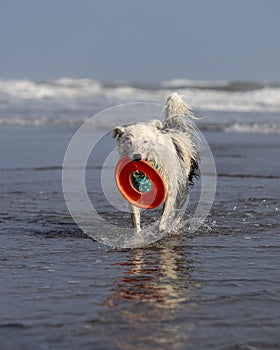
137	141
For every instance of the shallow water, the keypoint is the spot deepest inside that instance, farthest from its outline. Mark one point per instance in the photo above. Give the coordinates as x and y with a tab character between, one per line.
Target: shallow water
217	288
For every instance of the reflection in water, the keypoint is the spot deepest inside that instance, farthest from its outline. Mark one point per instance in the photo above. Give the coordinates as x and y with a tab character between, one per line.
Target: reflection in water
155	286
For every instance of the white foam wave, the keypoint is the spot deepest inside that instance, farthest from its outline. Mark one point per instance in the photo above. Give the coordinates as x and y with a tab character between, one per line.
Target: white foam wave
187	83
71	101
213	96
41	121
255	128
237	127
66	88
262	100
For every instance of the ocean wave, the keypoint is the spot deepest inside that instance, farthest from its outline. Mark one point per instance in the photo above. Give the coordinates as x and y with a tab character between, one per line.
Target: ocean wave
272	128
72	101
254	128
215	85
179	84
42	121
203	95
66	88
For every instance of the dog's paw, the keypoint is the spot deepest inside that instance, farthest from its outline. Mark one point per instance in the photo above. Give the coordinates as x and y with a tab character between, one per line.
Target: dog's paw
137	231
161	227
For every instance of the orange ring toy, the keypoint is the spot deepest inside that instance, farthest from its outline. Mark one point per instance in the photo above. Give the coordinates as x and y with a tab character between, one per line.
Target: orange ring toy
144	200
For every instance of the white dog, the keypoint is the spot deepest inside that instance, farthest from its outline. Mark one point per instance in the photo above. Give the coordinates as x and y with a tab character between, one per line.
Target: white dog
171	147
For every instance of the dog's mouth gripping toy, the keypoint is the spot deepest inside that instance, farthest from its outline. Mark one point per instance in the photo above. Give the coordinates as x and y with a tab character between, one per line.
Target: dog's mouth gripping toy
140	183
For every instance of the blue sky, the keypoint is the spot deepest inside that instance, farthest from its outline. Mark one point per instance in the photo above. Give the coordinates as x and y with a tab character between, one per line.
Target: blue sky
147	40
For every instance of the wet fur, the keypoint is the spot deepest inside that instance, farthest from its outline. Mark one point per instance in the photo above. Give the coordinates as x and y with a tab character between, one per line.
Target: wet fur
171	146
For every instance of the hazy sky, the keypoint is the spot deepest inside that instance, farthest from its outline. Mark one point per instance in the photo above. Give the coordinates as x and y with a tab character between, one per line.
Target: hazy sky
142	40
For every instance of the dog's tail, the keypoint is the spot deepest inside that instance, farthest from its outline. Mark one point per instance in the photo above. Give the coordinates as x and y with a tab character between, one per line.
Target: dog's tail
179	117
175	106
178	122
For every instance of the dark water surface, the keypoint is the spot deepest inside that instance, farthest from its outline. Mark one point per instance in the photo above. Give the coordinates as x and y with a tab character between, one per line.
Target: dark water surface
217	288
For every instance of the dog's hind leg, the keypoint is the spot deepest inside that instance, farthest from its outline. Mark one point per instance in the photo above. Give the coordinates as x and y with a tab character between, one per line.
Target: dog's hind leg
135	217
181	204
168	212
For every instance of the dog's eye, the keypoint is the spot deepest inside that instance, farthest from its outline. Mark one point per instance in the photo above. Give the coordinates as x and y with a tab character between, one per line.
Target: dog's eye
145	141
127	140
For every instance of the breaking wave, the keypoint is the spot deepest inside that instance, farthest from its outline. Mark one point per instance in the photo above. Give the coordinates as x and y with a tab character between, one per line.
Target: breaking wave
70	101
205	95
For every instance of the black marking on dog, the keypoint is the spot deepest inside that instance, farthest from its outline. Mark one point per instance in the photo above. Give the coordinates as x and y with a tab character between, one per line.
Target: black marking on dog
193	173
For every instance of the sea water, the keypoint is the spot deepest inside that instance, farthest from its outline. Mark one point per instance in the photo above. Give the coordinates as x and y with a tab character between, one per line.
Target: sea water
212	288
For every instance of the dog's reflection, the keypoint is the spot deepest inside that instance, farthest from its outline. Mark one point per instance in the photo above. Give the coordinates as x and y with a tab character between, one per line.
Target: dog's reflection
152	295
160	279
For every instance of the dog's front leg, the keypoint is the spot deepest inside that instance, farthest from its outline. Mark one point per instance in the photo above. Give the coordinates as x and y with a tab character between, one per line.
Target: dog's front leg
135	217
168	211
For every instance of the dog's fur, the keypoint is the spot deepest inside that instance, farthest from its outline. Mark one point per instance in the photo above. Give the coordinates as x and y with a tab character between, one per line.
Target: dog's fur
171	147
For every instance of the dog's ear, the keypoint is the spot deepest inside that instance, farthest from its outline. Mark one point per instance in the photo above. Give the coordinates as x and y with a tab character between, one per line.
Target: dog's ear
118	132
157	123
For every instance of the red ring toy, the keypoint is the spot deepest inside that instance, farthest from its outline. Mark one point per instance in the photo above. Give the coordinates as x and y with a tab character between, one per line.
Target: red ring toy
144	200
